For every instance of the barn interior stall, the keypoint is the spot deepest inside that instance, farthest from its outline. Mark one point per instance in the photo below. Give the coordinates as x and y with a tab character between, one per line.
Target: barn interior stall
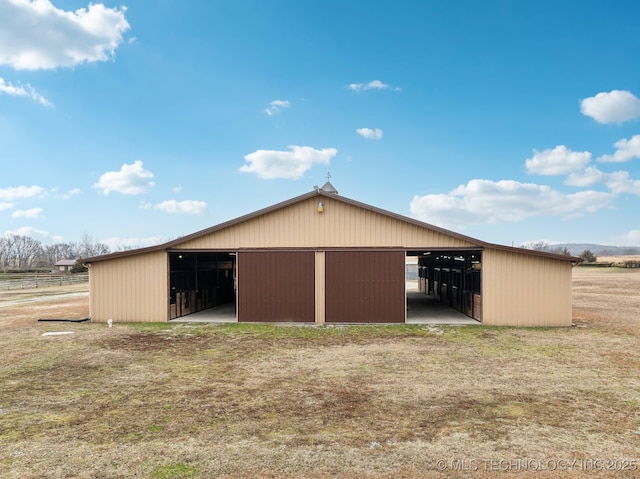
199	281
452	278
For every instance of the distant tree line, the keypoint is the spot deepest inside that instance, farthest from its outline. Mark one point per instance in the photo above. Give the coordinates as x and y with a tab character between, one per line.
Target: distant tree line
619	252
25	253
544	246
587	254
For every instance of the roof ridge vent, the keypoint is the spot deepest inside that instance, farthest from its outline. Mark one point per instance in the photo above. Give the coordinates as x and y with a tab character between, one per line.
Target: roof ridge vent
328	188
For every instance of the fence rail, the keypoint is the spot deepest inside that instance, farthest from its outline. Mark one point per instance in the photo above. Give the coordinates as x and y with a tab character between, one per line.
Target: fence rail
28	281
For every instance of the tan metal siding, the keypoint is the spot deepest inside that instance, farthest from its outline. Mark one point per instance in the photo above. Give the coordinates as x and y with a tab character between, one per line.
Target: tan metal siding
276	286
132	289
524	290
341	225
365	287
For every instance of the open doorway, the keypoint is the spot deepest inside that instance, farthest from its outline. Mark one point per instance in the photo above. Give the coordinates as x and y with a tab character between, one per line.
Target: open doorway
444	286
200	281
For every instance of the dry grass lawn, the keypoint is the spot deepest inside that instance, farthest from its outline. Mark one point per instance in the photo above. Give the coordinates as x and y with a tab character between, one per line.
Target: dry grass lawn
235	401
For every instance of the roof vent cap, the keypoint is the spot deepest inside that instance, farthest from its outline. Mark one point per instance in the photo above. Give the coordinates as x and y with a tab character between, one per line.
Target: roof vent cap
328	188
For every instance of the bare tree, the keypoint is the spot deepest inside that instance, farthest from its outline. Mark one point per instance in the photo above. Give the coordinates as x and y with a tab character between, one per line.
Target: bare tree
4	254
90	247
52	253
21	252
71	250
535	245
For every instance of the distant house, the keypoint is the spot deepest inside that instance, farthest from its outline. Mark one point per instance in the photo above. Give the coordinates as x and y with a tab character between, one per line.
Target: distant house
64	265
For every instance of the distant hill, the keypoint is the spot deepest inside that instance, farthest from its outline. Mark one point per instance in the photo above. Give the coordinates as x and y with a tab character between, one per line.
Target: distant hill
596	249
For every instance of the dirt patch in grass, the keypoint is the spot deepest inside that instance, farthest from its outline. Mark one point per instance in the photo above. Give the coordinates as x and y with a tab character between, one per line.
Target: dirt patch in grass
270	401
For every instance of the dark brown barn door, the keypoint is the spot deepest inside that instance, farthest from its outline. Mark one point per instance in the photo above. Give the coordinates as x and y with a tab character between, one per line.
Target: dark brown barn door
365	287
276	286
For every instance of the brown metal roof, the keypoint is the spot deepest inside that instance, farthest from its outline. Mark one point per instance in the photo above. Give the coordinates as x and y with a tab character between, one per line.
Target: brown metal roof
174	243
65	262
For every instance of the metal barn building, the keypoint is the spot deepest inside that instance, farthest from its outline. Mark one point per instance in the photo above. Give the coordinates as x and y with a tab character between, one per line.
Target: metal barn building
323	258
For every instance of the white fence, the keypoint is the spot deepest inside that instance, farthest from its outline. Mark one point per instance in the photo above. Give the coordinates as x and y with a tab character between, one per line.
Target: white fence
27	281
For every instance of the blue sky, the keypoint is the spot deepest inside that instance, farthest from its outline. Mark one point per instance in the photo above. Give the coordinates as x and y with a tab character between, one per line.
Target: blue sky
141	121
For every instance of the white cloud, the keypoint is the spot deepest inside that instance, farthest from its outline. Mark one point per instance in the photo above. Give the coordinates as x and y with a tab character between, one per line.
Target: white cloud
71	192
619	182
130	180
33	233
13	193
626	150
587	177
184	207
68	194
369	133
486	201
631	238
177	189
118	244
559	161
576	204
616	106
36	35
30	213
372	85
28	91
276	106
271	164
6	206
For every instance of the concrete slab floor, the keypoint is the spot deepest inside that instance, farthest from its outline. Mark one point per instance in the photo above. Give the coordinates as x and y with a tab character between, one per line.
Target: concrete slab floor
421	309
225	313
425	309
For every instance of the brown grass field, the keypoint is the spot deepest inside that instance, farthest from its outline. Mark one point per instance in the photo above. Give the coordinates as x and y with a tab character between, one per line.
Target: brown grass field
265	401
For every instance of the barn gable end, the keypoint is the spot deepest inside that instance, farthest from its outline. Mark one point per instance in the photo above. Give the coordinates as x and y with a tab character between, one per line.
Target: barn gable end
340	225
